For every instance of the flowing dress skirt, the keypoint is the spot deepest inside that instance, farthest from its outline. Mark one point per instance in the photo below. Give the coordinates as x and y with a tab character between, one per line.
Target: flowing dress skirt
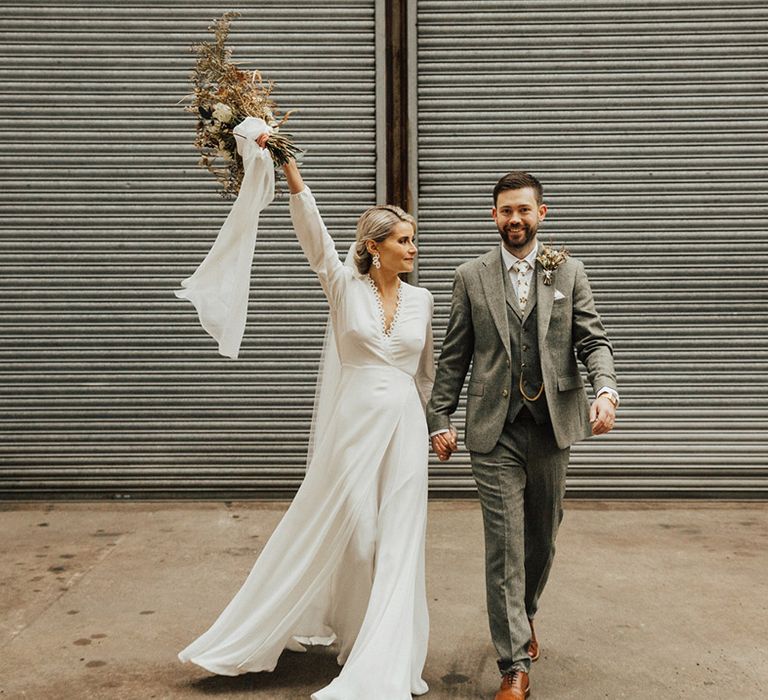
346	562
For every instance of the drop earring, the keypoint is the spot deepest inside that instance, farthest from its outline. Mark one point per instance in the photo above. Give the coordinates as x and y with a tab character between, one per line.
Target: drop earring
376	261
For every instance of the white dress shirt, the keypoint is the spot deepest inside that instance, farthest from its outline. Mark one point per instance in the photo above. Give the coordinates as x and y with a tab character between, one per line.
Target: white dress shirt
510	260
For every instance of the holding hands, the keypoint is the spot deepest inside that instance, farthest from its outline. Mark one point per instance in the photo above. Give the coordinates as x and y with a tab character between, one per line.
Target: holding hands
445	444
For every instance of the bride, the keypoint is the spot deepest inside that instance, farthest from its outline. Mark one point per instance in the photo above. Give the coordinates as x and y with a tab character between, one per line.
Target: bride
346	563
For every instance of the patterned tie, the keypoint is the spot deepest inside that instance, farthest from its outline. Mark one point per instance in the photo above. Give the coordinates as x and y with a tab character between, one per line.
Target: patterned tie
521	268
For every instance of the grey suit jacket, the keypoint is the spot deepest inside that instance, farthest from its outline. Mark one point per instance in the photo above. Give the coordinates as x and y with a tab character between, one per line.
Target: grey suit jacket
478	333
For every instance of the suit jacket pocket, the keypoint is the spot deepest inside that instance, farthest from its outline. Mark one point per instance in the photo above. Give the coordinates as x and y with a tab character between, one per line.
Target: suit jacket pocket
476	388
569	382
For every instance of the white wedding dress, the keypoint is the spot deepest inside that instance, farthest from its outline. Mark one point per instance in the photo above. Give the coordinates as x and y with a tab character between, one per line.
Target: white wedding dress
346	563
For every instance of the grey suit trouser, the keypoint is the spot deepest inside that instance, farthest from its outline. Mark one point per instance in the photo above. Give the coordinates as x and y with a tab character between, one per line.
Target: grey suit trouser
521	484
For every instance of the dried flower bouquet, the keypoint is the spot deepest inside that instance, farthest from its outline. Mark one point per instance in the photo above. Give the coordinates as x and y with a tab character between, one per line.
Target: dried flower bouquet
223	96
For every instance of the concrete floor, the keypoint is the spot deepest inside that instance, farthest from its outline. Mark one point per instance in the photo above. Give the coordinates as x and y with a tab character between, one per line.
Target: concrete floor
646	600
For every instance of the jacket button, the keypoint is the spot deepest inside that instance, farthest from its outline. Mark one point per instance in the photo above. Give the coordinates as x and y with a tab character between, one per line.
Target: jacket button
504	393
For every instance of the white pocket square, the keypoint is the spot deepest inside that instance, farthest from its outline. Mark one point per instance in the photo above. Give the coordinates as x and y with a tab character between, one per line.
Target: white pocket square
559	295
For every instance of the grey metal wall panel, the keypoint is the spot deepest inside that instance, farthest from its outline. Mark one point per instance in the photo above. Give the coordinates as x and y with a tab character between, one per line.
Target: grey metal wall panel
108	385
646	122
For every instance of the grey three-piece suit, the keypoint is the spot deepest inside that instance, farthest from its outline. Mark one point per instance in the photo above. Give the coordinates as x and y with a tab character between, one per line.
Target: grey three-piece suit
519	448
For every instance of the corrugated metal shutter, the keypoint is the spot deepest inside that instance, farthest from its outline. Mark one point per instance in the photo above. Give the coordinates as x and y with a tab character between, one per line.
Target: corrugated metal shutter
646	122
108	384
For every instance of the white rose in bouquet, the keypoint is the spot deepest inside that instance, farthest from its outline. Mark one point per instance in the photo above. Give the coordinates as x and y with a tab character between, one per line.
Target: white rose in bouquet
222	112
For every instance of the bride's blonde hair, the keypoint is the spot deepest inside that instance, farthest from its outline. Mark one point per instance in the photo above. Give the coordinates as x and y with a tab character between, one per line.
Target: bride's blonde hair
376	224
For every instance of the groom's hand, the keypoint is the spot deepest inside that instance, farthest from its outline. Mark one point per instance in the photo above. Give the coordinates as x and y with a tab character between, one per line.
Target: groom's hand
602	415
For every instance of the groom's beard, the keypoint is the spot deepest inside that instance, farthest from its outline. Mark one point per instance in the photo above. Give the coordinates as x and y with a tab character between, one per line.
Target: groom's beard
517	237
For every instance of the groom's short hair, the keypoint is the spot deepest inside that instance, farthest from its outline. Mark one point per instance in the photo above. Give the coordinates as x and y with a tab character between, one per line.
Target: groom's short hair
517	180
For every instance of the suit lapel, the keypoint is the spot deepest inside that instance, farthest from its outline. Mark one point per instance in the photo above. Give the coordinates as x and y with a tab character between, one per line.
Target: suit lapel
492	279
545	298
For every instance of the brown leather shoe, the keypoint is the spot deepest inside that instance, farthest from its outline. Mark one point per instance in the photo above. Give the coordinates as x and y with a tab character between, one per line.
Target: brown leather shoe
514	686
533	647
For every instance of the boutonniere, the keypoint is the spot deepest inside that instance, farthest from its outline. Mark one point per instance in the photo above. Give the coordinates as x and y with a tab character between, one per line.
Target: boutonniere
550	259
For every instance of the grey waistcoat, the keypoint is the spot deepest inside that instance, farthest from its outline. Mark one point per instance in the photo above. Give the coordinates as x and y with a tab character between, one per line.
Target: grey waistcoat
525	349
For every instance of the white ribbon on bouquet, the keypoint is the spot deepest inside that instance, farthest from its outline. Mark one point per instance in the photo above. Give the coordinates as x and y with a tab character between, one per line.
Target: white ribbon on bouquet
220	286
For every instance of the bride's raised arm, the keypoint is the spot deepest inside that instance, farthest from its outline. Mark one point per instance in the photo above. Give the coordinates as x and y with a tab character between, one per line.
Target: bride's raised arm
293	177
313	236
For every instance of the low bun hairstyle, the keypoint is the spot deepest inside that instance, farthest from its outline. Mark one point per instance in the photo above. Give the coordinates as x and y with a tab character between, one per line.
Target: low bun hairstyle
376	224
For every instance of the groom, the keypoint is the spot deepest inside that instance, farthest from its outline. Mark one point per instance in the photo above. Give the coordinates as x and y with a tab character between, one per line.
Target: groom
521	323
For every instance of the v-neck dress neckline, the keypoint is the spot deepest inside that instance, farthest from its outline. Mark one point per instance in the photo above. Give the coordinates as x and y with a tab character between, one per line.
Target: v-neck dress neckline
386	332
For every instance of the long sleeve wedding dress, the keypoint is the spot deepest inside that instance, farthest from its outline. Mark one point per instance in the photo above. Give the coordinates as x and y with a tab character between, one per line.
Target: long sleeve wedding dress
346	562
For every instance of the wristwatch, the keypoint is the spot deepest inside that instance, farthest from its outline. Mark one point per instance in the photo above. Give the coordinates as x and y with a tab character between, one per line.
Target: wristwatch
608	395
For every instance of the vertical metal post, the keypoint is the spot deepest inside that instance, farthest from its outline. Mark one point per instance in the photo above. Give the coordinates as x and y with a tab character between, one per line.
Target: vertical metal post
412	120
397	102
396	145
381	102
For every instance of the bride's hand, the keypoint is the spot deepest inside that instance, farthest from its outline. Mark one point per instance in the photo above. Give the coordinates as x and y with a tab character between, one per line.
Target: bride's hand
291	170
262	140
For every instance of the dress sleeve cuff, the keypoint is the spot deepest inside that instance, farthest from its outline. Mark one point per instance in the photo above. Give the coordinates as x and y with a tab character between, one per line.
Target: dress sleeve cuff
306	193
